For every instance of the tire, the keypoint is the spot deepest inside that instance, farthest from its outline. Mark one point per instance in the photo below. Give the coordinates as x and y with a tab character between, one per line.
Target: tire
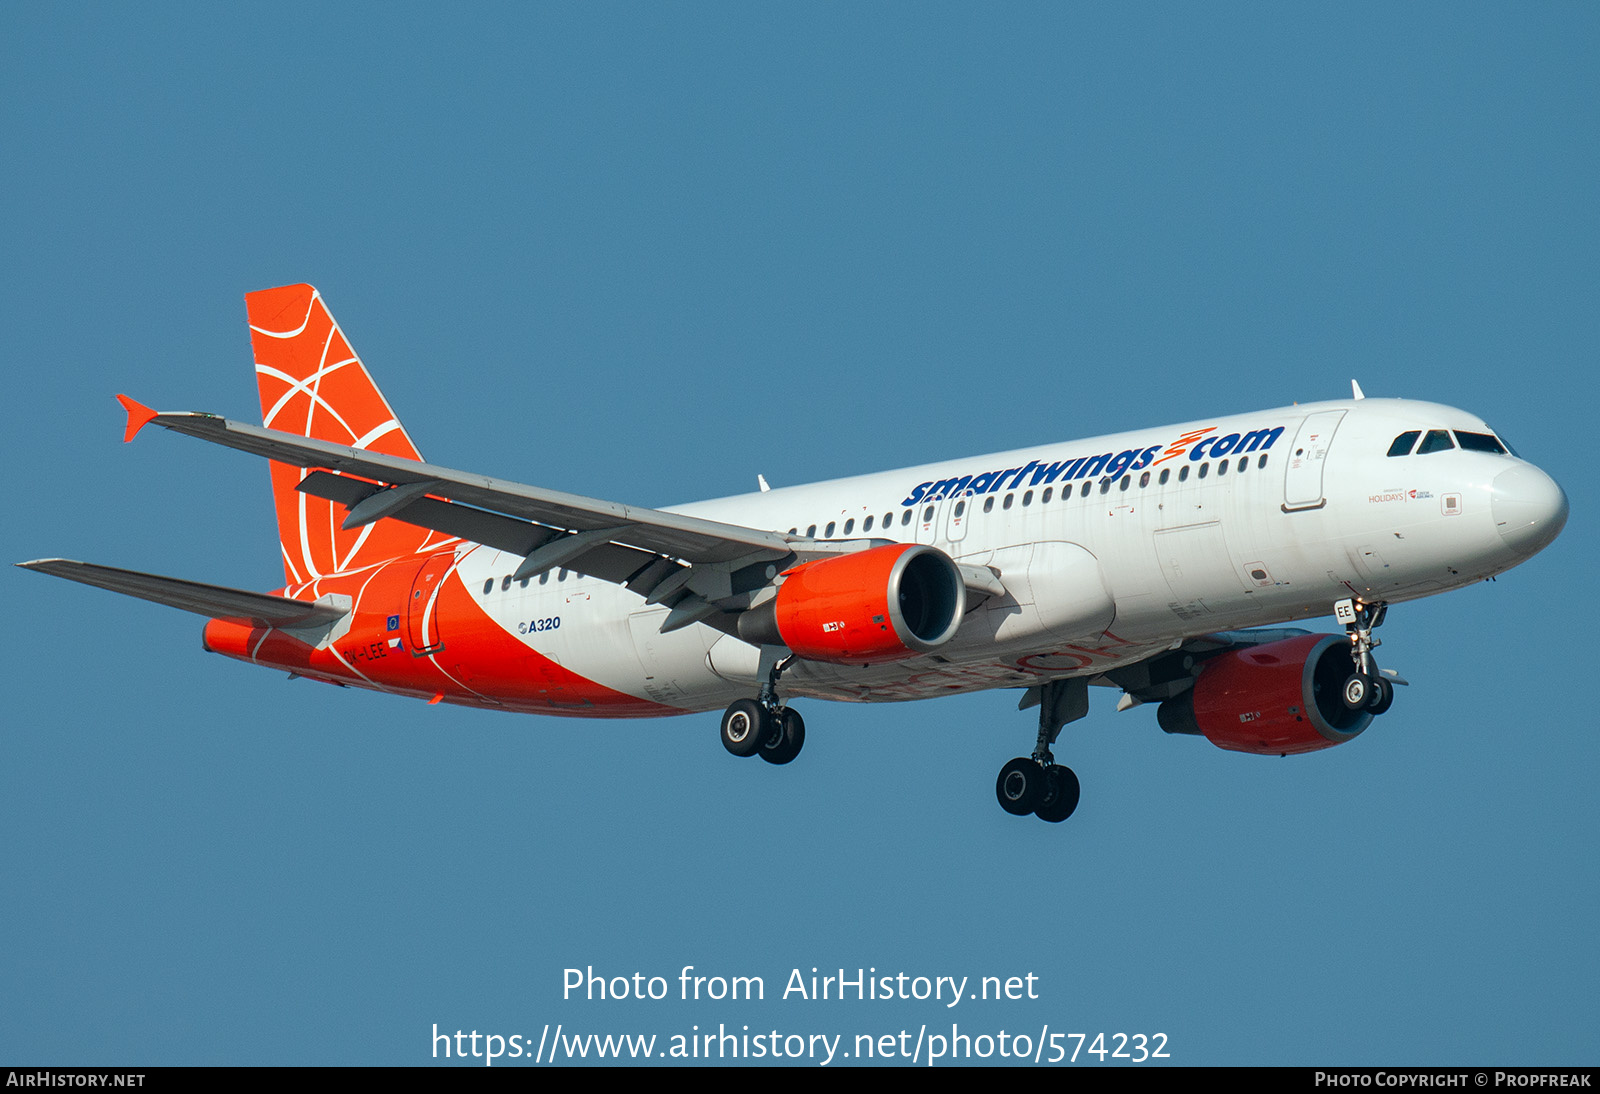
1382	696
785	744
1020	786
1061	794
1356	692
745	726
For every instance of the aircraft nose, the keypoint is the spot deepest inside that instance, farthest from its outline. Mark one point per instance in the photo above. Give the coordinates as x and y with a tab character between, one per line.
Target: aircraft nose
1529	508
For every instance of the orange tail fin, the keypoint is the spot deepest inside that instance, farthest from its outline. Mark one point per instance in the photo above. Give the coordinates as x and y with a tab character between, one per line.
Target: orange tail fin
313	384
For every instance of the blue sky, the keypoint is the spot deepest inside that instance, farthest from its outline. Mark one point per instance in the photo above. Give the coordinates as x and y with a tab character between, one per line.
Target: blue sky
645	253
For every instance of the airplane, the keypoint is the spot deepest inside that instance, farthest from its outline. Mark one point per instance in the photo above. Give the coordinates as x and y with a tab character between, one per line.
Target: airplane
1164	563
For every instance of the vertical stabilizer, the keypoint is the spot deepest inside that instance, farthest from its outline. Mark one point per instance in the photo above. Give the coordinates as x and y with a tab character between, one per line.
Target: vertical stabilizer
313	384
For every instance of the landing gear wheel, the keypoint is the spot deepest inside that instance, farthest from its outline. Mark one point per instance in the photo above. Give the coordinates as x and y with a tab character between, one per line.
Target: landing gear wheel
1060	796
1357	691
745	726
1020	787
785	742
1382	696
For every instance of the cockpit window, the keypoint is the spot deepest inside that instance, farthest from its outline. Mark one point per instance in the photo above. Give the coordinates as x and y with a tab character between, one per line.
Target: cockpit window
1507	444
1403	444
1437	440
1480	442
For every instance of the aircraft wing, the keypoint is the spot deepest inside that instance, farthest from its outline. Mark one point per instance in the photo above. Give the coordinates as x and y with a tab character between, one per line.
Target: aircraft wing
692	539
215	601
644	548
1173	670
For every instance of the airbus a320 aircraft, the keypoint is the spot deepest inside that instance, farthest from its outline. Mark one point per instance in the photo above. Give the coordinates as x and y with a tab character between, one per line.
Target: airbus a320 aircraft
1131	561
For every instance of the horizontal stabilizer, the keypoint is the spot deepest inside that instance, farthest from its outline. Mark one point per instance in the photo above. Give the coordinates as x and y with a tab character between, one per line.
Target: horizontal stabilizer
215	601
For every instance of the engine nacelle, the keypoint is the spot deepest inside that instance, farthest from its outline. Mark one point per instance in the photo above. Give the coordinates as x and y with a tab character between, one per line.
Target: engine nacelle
883	604
1271	700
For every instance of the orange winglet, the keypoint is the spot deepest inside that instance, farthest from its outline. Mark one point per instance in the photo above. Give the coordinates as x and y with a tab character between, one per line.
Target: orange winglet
138	416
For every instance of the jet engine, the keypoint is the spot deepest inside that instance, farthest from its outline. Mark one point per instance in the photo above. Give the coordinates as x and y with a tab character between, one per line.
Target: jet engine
883	604
1272	699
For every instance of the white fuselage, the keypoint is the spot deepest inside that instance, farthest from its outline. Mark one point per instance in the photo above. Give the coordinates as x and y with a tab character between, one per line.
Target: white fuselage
1110	549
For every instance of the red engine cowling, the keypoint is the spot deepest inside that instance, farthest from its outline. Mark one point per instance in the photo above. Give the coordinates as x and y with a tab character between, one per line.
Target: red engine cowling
884	604
1271	700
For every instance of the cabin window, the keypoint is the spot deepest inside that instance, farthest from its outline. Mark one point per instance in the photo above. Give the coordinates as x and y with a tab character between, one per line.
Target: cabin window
811	531
905	518
888	520
1222	468
544	578
1085	491
1262	462
524	581
1045	500
866	525
488	587
1027	499
1205	469
1127	481
849	526
988	505
562	576
506	583
1105	486
1166	473
1401	445
1007	503
1437	440
827	533
927	515
1183	473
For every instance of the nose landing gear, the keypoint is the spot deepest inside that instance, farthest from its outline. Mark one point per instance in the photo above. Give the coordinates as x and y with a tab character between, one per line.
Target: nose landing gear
1366	689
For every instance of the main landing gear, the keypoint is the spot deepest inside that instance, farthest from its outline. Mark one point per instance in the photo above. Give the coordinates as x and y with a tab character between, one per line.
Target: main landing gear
764	726
1366	689
1037	784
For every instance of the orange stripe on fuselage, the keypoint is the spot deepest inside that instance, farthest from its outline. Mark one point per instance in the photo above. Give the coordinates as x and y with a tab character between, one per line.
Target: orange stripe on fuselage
479	663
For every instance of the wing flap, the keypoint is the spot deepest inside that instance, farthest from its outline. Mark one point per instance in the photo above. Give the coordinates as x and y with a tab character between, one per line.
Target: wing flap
474	525
608	561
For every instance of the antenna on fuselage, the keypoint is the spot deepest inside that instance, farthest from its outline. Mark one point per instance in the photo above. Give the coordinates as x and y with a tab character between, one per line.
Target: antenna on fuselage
1355	390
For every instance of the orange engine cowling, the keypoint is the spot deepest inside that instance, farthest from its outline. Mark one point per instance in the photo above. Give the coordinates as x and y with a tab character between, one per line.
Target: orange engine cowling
883	604
1272	699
